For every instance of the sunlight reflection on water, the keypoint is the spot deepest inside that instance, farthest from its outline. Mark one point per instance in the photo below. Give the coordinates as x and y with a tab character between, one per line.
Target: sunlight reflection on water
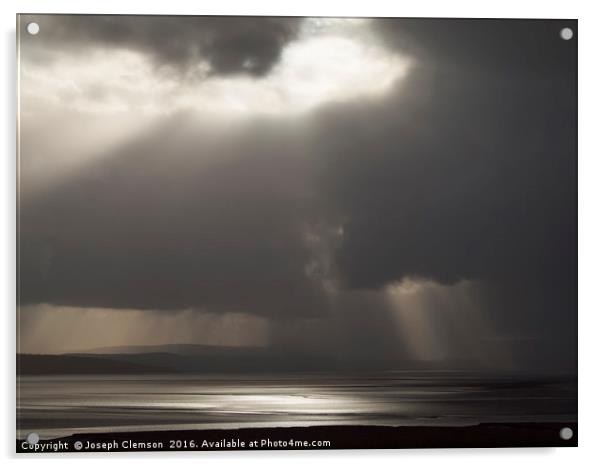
57	406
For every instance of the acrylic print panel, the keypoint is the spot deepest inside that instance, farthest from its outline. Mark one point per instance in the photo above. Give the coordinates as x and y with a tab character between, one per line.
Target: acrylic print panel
296	233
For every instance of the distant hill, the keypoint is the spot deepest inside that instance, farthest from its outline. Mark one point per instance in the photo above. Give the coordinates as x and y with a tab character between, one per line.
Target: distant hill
28	364
206	359
180	349
176	358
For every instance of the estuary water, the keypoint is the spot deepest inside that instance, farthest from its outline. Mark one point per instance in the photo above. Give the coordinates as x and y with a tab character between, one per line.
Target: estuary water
55	406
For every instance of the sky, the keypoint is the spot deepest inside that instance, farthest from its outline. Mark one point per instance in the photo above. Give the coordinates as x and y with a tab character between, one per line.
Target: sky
375	189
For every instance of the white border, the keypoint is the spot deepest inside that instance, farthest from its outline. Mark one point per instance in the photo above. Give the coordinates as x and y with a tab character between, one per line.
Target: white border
590	218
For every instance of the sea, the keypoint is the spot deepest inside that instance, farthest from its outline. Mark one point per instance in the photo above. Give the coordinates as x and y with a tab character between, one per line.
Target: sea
57	406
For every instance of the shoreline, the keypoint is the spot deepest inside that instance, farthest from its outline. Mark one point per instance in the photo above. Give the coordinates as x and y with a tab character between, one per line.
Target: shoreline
486	435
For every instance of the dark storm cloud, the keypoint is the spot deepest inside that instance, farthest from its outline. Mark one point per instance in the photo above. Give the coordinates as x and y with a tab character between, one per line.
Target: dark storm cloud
507	46
468	171
229	44
181	219
478	184
465	171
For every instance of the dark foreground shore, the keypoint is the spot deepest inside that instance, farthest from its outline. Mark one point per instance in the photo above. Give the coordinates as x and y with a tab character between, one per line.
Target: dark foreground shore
316	437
